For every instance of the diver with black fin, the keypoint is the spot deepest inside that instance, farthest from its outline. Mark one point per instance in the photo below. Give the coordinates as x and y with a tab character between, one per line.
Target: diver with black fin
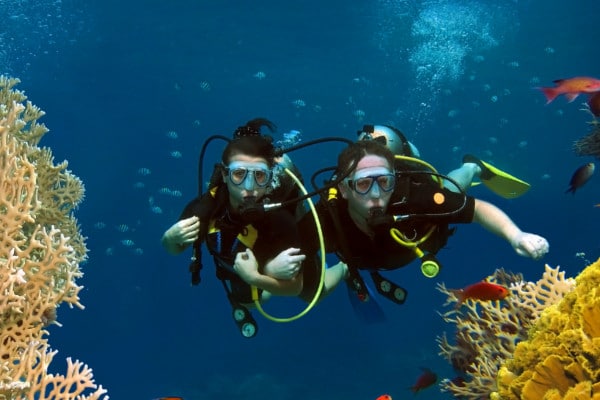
250	247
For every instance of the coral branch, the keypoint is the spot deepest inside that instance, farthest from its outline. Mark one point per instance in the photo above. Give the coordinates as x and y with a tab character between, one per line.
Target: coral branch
487	333
41	248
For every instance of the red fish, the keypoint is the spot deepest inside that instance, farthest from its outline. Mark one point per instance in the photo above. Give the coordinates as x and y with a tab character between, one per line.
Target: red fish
427	378
580	177
571	88
483	290
594	104
169	398
384	397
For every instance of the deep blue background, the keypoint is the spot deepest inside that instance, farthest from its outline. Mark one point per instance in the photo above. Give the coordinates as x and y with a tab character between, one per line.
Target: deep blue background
115	77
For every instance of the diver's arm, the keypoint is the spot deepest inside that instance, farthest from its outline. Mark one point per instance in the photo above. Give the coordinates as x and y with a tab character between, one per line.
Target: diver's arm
179	236
496	221
285	265
246	267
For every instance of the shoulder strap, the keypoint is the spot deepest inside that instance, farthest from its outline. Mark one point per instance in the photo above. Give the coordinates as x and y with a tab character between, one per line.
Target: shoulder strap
355	281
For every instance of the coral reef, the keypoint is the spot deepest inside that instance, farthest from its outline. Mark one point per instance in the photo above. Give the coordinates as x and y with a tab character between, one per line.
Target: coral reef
41	248
561	358
589	145
487	333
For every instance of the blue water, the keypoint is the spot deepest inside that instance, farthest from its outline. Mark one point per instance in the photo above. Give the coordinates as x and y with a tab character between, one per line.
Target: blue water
456	76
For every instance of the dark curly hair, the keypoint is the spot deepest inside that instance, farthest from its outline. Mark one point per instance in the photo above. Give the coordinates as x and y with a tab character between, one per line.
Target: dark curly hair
248	140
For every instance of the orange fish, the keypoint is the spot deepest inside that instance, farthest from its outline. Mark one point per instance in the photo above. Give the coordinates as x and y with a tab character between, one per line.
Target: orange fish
384	397
571	88
594	104
483	290
427	378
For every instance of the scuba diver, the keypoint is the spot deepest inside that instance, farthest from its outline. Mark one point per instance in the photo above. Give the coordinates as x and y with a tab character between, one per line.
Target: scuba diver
250	247
387	211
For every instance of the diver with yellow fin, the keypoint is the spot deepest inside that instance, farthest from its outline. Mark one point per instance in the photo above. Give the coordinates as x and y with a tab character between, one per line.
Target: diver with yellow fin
387	210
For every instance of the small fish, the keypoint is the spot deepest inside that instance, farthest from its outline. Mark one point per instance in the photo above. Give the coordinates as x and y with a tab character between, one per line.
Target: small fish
127	242
427	378
580	177
594	104
156	210
483	290
122	228
168	398
299	103
384	397
571	88
205	86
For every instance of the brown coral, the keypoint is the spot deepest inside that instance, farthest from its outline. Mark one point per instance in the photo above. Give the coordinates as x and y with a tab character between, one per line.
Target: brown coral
40	251
588	145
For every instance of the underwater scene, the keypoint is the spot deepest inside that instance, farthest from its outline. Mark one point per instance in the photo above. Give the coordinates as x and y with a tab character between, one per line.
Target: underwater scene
114	115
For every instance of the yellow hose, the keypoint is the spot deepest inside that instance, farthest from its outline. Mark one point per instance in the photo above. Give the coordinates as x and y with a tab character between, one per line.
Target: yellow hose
255	296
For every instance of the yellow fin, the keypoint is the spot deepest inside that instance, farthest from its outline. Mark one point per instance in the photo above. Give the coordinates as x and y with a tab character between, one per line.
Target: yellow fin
503	183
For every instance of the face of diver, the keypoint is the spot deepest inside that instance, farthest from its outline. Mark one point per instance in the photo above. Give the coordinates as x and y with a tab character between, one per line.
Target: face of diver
359	205
246	176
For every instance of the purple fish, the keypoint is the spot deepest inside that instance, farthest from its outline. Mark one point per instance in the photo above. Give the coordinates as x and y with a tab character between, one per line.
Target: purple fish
580	177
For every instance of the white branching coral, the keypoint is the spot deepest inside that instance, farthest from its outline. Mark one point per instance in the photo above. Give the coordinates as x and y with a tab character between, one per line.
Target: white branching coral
536	297
487	333
41	248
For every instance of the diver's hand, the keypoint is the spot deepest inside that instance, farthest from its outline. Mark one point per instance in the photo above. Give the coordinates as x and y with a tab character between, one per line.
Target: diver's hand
246	266
181	234
530	245
286	265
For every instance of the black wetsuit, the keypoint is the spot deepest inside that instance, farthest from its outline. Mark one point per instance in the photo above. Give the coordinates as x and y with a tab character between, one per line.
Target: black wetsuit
382	252
228	235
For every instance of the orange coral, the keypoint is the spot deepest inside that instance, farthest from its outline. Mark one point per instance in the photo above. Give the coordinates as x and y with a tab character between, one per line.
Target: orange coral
40	251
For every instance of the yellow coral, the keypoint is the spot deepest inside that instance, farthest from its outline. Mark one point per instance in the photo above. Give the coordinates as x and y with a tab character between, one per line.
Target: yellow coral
40	251
488	332
561	358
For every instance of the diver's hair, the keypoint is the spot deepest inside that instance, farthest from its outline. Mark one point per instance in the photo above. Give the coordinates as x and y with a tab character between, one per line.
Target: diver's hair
249	141
352	154
252	127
